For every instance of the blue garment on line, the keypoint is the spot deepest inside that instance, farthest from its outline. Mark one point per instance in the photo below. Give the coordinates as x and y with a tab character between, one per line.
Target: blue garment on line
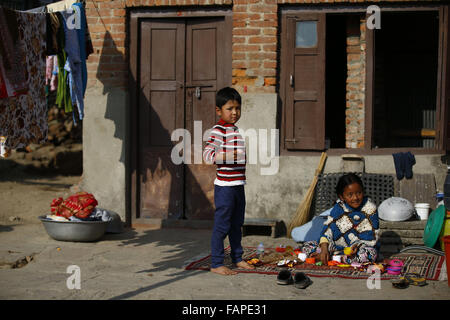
82	44
73	62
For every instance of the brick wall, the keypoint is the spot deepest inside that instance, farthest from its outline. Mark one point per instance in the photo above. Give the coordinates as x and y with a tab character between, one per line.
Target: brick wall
254	41
255	45
355	95
254	48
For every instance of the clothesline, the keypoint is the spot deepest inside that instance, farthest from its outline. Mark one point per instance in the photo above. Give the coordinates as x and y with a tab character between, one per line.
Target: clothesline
42	49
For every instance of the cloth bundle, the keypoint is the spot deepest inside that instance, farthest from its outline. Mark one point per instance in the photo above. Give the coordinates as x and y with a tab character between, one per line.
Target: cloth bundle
403	162
80	205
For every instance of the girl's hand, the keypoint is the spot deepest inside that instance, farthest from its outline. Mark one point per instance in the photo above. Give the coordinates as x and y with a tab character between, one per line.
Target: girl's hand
355	249
324	254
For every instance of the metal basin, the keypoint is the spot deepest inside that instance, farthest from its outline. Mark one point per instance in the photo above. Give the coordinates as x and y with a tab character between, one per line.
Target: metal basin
84	231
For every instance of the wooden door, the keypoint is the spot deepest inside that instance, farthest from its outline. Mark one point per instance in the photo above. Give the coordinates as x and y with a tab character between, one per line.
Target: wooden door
205	63
305	82
182	63
161	111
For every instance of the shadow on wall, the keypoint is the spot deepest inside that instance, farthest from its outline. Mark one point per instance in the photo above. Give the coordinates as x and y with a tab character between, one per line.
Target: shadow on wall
160	185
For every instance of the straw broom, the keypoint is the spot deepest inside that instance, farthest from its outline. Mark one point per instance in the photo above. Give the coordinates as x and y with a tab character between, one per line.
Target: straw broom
302	214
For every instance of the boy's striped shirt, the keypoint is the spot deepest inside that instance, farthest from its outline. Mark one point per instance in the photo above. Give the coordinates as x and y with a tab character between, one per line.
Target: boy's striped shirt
225	137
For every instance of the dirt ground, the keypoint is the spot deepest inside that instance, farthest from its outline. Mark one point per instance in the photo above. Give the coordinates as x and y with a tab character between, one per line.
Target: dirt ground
24	196
141	264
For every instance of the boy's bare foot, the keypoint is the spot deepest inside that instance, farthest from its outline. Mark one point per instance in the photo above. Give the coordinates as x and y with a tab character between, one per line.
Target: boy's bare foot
223	271
244	265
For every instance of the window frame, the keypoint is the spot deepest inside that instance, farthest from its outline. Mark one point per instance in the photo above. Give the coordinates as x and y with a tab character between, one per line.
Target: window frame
290	11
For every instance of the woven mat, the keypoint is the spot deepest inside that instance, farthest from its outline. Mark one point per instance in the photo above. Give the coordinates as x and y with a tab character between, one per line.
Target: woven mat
426	265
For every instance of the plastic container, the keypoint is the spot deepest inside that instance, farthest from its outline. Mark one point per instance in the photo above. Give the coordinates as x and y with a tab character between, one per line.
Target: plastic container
447	189
445	231
260	249
422	209
447	257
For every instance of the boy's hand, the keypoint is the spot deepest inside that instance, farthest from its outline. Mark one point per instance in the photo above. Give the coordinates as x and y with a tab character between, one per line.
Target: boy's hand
239	154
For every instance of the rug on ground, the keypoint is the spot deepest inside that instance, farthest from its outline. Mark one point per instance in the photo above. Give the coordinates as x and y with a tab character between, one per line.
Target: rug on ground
426	265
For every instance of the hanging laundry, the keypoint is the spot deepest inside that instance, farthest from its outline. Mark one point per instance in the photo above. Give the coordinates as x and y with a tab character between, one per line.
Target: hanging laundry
60	5
52	30
82	43
73	63
54	77
12	62
23	119
3	92
63	98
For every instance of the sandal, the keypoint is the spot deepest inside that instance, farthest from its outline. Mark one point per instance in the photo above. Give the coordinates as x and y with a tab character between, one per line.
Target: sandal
400	283
301	280
415	279
284	277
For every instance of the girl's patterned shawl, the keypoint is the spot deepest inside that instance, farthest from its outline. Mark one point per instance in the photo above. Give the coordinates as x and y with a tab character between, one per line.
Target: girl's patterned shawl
346	226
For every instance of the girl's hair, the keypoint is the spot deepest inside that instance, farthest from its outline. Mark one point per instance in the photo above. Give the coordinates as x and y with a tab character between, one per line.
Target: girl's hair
346	180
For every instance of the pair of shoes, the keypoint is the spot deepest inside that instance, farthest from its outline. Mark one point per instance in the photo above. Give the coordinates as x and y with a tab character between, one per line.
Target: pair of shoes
300	280
409	279
415	279
284	277
403	162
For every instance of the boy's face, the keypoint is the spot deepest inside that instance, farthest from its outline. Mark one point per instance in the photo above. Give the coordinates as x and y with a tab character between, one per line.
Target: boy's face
230	111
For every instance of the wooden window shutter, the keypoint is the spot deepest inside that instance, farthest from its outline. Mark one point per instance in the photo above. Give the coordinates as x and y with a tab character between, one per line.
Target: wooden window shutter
305	82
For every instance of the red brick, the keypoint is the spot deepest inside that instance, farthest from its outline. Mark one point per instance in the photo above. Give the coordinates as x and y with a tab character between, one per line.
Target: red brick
263	8
270	81
246	31
245	47
246	16
114	20
262	55
256	39
110	5
237	39
270	64
262	24
119	12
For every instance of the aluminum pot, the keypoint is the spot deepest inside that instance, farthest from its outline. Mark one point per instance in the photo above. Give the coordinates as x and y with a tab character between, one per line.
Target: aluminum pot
77	231
396	209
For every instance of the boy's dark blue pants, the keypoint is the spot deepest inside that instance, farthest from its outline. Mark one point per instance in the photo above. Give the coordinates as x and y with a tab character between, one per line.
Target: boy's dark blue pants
228	220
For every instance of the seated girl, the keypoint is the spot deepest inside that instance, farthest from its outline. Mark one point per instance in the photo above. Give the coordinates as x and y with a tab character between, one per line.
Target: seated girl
353	222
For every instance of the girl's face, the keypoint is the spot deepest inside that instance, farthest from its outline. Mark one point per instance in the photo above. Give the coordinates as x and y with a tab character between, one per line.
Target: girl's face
352	195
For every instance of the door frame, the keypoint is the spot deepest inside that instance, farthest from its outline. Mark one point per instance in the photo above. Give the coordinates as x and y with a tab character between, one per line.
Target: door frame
441	123
132	187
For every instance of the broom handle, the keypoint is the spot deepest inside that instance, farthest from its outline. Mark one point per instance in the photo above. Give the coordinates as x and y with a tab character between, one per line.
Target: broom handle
321	163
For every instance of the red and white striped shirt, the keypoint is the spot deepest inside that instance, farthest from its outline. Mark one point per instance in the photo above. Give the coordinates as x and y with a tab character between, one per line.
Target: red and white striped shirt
225	137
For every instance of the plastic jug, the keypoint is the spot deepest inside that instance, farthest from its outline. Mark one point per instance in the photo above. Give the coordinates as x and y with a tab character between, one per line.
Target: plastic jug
447	189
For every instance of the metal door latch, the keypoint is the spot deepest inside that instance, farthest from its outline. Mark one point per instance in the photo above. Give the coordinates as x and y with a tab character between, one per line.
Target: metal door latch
197	92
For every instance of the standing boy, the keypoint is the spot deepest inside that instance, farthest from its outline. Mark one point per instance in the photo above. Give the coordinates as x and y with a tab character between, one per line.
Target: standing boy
226	148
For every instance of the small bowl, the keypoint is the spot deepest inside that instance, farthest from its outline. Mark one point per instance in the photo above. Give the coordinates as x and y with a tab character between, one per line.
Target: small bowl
76	231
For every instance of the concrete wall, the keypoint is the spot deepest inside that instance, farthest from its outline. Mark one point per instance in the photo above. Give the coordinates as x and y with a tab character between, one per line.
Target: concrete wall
104	147
268	195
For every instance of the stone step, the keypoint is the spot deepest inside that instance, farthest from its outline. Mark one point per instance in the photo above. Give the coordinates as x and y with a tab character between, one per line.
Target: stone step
403	225
401	233
402	241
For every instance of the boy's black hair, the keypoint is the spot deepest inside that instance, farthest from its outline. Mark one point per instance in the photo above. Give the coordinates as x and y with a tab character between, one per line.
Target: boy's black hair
226	94
346	180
